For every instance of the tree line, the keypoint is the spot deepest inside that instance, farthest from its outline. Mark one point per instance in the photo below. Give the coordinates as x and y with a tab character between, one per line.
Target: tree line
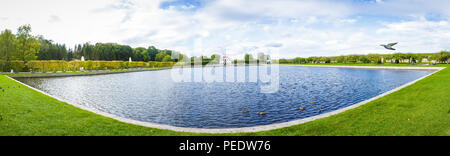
25	47
113	52
440	57
16	50
21	46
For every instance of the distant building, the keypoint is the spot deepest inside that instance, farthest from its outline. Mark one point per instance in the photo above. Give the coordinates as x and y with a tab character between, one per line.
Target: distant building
226	60
267	59
427	60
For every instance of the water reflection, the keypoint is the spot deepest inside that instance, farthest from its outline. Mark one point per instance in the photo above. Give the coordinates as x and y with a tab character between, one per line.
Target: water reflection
153	97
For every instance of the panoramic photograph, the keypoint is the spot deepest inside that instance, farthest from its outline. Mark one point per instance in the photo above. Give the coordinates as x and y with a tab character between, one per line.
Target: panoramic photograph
216	68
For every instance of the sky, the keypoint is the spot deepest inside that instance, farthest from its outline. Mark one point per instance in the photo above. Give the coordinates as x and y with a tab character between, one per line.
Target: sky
282	28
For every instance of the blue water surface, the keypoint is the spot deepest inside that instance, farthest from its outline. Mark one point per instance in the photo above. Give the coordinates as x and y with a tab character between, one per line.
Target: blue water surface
153	96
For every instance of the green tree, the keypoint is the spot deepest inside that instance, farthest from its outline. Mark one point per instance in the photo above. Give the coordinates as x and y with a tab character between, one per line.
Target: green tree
340	59
182	58
146	56
160	56
167	58
215	58
152	52
442	57
8	47
248	58
299	60
139	54
51	51
28	45
397	57
325	59
177	56
283	61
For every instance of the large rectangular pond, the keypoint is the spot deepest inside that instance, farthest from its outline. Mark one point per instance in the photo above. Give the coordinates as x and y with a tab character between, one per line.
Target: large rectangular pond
153	96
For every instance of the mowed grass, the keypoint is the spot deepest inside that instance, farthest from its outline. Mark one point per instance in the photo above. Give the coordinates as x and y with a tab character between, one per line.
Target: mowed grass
419	109
24	111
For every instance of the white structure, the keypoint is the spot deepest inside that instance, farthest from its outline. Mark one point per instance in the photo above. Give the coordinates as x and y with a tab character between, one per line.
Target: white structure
428	61
12	71
130	60
268	60
82	59
226	60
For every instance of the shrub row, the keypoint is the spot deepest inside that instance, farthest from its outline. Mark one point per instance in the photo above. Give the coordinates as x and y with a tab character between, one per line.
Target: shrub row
6	66
60	65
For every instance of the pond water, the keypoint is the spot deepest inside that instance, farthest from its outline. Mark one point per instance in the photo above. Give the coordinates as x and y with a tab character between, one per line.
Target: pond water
153	96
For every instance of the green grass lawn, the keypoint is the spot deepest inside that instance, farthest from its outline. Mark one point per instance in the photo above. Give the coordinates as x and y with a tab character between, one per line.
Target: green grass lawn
419	109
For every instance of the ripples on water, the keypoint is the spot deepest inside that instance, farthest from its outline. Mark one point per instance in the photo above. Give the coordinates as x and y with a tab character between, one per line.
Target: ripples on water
152	96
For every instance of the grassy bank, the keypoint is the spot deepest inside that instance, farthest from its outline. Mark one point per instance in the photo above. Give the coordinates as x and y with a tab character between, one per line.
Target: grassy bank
27	112
419	109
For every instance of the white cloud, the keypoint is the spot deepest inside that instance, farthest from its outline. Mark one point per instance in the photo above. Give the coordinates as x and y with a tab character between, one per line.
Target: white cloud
301	28
255	9
407	8
420	35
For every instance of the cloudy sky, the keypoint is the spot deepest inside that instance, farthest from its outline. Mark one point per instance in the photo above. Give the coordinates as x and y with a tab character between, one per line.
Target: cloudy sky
290	27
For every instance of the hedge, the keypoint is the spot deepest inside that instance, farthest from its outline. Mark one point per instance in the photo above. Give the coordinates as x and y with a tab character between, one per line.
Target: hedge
17	66
60	65
46	66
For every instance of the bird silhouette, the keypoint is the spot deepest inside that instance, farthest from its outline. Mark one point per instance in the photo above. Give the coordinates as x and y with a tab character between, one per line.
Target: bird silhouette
389	46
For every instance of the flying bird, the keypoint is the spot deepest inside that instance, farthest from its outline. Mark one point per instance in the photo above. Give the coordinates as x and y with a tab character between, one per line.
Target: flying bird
389	46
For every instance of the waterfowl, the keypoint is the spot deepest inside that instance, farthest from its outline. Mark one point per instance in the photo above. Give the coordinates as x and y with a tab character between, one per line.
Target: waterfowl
314	102
261	113
245	111
302	108
320	111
